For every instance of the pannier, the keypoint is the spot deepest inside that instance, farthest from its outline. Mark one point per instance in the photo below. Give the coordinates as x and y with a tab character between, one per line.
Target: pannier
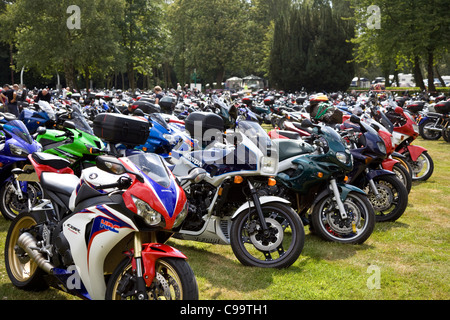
119	128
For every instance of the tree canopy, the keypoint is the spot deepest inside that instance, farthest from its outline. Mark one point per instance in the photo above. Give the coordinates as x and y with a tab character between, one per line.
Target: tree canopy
311	44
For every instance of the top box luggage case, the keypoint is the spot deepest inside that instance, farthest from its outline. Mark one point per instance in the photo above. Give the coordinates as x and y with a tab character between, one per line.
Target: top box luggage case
118	128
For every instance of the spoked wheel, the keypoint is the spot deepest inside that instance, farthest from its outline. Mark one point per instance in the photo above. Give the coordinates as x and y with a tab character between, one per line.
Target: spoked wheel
278	247
427	130
10	203
174	280
327	222
422	168
392	199
22	271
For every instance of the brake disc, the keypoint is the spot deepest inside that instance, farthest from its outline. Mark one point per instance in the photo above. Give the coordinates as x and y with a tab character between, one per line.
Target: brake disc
271	241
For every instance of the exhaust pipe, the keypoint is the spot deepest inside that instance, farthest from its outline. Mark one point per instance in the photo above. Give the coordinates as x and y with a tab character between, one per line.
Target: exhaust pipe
27	242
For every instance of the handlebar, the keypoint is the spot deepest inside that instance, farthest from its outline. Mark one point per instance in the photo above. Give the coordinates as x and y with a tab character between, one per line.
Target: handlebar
122	183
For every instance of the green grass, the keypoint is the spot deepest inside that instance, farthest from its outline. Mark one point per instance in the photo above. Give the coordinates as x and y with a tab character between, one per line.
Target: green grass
411	254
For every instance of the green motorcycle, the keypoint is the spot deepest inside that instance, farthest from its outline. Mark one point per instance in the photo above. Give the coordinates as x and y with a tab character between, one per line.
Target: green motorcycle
75	141
311	174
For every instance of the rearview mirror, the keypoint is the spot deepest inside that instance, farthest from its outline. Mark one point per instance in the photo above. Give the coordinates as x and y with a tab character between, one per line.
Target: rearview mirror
196	175
114	166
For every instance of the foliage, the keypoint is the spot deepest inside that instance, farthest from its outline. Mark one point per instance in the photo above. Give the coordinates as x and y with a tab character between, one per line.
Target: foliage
310	49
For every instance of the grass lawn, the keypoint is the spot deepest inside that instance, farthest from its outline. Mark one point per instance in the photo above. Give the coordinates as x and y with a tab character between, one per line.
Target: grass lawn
403	260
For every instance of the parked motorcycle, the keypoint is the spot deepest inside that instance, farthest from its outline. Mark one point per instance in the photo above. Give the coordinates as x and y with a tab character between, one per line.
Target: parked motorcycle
435	124
310	176
387	194
102	236
226	208
404	133
16	144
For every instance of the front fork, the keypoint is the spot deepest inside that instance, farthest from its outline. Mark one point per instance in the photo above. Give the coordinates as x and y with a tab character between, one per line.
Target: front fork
141	290
337	198
257	204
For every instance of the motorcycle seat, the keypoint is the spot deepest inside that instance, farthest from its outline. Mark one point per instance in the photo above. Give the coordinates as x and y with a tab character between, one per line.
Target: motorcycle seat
50	160
290	148
289	134
59	183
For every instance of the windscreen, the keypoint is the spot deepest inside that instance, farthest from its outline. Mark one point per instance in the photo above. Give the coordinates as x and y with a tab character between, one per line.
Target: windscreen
151	165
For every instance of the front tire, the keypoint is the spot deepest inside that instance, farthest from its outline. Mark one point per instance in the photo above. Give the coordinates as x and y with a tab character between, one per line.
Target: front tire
327	223
22	271
422	168
392	200
11	205
174	280
279	247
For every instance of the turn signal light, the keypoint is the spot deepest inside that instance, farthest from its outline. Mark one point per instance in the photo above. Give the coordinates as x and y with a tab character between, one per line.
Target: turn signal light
238	179
272	182
320	174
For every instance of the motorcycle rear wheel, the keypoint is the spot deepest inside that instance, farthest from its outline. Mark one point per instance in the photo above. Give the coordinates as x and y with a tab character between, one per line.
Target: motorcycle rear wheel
174	280
426	130
22	271
327	223
280	247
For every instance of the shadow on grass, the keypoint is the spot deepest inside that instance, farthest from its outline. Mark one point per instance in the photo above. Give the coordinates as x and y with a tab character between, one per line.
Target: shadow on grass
228	273
8	292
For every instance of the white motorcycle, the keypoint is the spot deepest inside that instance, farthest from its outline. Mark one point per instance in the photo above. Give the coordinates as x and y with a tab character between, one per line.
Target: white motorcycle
225	208
102	236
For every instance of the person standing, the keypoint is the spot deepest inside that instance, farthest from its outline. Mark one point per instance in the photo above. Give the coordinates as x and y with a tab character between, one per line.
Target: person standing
43	95
9	96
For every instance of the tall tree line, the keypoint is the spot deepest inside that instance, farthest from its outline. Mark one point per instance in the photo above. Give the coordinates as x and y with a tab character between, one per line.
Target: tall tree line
311	44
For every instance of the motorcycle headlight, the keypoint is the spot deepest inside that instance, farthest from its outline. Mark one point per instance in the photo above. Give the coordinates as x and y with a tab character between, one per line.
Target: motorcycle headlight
180	218
342	157
151	217
18	151
381	146
268	165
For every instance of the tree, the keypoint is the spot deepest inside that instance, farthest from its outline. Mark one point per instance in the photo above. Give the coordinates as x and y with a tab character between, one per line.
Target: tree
207	36
142	36
410	31
310	49
45	42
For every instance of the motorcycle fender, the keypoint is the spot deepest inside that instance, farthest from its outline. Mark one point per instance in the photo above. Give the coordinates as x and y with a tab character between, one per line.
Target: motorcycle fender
151	252
415	152
388	164
345	190
399	155
262	200
376	173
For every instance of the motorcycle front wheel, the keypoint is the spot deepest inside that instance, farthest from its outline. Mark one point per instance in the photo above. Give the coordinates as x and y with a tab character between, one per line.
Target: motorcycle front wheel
174	280
422	168
278	247
392	199
23	272
10	203
327	223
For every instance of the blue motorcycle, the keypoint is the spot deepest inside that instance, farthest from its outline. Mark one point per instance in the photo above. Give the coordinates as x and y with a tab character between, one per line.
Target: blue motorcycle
42	116
16	144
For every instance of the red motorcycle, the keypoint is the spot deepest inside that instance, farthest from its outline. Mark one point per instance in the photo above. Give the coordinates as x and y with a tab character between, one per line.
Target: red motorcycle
404	132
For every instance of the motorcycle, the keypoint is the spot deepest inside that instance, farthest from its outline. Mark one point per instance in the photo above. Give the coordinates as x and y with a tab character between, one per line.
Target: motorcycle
102	236
75	141
226	208
310	175
387	194
16	144
435	124
43	115
404	133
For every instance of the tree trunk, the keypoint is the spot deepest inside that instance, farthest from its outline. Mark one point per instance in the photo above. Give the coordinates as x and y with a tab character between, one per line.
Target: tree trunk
131	79
430	71
438	74
418	78
70	74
